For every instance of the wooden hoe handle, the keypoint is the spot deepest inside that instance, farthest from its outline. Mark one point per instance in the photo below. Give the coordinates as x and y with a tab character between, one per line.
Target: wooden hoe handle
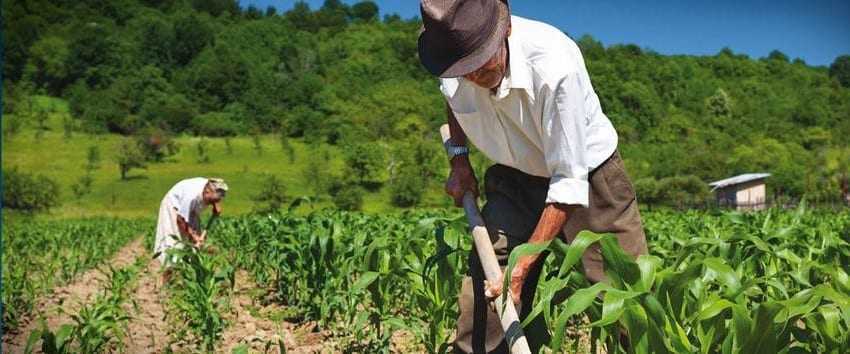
506	309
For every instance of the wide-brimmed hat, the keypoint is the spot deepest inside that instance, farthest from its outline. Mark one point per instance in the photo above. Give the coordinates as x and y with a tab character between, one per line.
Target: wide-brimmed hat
460	36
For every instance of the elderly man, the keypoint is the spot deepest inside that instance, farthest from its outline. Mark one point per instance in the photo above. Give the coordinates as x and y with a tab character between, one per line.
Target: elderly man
180	215
519	90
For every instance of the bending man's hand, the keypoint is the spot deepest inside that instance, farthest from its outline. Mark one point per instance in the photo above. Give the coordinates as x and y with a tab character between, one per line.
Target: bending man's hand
550	225
518	275
461	180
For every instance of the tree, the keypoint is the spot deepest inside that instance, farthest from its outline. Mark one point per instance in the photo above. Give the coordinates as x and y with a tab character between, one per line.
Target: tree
173	112
777	55
590	47
347	196
364	162
252	13
49	57
333	15
129	156
365	11
287	147
93	158
156	144
29	192
302	17
217	7
191	35
272	195
203	151
156	40
836	169
407	188
840	70
719	104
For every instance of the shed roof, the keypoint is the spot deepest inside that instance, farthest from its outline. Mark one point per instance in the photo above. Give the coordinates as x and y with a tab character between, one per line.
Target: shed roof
744	178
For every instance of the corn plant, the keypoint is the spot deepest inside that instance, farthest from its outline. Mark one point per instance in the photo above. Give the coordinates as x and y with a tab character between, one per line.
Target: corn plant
436	282
200	294
98	327
713	282
743	283
45	254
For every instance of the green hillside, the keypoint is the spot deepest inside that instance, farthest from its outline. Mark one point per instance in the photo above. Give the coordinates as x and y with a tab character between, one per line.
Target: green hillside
341	78
63	159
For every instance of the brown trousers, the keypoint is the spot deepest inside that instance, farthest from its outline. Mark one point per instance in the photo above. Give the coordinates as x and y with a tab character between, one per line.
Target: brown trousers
515	201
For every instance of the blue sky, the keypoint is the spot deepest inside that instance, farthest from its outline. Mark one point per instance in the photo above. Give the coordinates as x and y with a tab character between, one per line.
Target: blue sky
816	31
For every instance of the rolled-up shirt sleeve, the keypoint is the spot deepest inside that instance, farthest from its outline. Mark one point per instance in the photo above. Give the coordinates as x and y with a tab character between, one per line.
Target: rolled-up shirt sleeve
564	130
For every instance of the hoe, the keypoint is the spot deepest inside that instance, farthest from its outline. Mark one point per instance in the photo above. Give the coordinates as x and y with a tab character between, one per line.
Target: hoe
506	310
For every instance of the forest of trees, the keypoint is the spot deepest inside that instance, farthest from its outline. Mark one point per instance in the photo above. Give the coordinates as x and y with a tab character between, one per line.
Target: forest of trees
340	74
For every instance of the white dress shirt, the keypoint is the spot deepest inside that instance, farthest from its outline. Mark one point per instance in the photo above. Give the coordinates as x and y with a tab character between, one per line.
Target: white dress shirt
544	119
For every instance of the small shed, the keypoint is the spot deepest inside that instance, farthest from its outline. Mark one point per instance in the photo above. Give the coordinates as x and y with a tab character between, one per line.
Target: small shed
744	192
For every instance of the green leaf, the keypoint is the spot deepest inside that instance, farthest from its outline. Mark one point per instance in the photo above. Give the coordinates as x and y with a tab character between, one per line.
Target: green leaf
365	280
725	274
648	266
762	337
575	304
714	308
576	249
618	264
612	306
240	349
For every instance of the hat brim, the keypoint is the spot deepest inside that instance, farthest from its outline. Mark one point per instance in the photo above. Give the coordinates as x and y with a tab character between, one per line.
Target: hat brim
444	67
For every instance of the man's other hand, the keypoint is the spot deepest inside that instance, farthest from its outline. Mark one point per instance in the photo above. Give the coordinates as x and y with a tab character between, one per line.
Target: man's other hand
461	179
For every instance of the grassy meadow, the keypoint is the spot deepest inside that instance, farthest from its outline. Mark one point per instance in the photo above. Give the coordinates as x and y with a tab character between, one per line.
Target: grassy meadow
243	168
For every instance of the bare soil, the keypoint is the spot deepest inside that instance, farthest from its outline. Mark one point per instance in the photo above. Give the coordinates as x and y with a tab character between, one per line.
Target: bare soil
56	308
147	330
251	325
255	324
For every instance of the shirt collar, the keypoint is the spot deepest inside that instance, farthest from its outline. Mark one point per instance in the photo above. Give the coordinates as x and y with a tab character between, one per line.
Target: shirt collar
519	73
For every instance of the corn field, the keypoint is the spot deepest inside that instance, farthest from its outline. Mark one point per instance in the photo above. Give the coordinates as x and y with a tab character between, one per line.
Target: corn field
724	282
41	255
714	282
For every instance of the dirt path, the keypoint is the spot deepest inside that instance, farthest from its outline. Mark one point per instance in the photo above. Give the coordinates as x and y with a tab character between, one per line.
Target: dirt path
69	298
251	324
147	329
258	326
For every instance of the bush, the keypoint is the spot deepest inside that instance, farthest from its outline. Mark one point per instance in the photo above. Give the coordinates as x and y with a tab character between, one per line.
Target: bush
174	111
129	156
217	124
83	186
407	188
676	191
203	151
316	171
272	195
348	196
156	144
647	190
29	192
363	163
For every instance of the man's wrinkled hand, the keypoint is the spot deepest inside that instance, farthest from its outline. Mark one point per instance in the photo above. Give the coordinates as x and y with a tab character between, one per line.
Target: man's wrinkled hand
518	275
199	239
460	181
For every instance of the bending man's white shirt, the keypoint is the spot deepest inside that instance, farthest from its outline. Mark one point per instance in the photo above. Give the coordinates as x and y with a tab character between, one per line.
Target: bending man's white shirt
186	200
544	119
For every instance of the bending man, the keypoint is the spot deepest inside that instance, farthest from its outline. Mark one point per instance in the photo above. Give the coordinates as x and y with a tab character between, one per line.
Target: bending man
180	215
519	90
